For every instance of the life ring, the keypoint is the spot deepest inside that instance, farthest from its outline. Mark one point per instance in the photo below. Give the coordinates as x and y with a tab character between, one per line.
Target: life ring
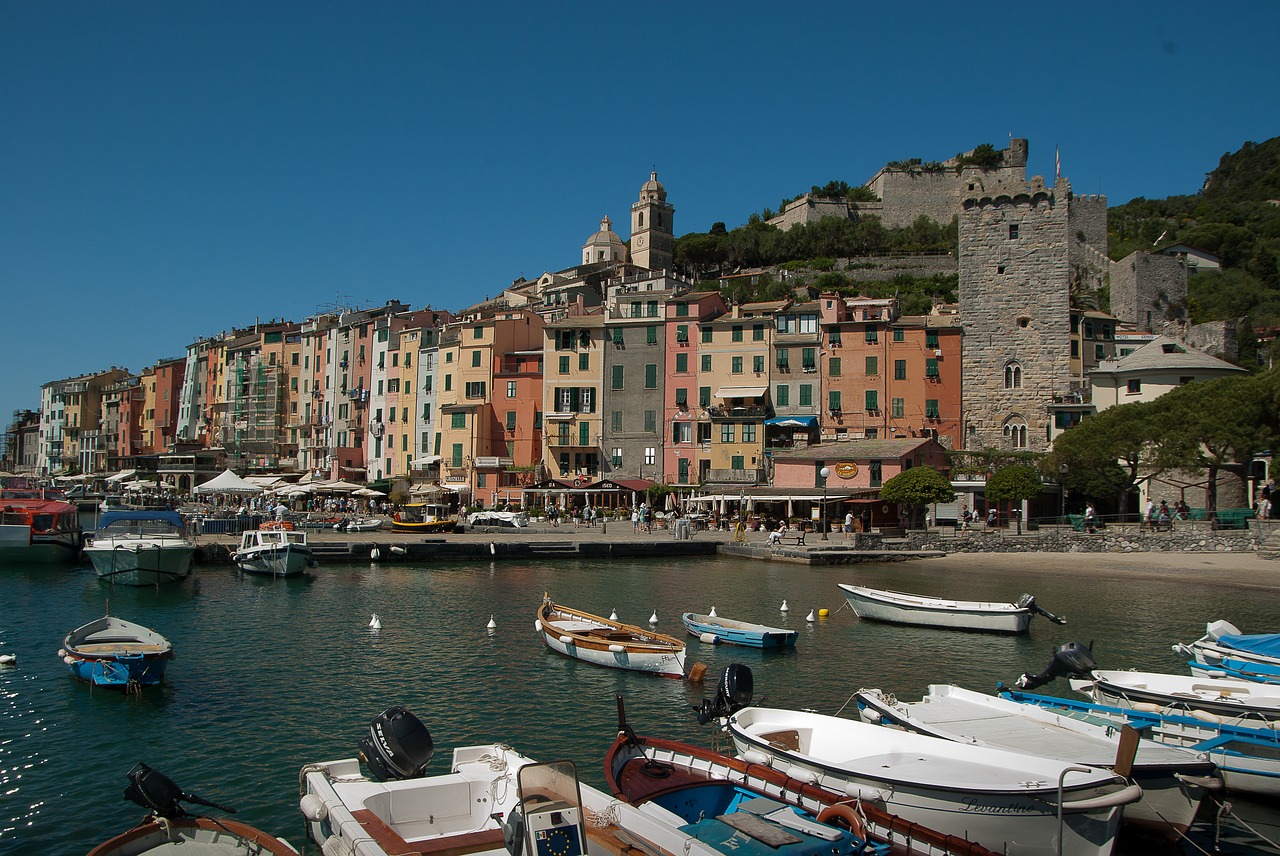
845	815
577	482
277	524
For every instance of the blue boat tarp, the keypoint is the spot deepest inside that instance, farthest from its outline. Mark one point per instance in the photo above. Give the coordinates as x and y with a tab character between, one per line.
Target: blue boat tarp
1267	644
793	421
110	517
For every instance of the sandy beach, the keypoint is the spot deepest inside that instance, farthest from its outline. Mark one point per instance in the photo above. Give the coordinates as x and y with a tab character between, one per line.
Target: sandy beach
1218	569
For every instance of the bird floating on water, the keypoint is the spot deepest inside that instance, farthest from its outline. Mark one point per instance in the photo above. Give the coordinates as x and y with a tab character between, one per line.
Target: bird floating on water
375	622
784	607
712	613
653	619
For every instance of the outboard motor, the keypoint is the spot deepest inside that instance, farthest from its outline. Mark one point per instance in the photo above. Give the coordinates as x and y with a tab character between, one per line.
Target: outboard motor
160	794
1070	659
398	745
1028	601
737	685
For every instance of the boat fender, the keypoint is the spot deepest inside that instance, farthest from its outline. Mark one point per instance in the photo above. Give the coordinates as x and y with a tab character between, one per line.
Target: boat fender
8	659
709	638
312	563
801	774
398	550
862	793
537	625
335	846
567	640
752	756
1207	716
493	549
69	660
617	649
375	554
843	814
871	716
62	652
313	808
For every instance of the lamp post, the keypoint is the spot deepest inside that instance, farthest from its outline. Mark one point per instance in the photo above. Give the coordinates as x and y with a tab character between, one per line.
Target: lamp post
1062	486
824	472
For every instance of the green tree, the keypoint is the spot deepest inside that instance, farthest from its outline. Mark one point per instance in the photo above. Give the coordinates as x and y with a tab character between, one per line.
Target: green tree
1106	454
1014	483
917	488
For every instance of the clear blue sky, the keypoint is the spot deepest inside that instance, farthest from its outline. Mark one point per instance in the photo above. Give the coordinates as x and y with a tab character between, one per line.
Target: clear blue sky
169	170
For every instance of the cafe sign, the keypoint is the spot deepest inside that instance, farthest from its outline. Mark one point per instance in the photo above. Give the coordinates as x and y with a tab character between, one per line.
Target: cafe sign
846	469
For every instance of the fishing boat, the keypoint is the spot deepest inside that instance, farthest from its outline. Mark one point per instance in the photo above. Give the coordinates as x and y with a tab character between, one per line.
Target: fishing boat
167	828
1246	752
713	629
273	552
112	652
1222	697
424	517
38	526
903	608
694	782
141	548
495	801
1173	780
1007	801
605	642
1224	651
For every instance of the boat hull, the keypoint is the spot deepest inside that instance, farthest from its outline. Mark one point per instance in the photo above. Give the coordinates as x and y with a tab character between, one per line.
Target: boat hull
1222	697
901	608
602	642
429	527
19	546
141	564
1001	817
197	834
738	632
284	560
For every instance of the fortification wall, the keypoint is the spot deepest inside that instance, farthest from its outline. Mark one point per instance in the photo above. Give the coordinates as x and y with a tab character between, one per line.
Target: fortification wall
806	210
1145	288
883	268
1217	338
907	194
1014	299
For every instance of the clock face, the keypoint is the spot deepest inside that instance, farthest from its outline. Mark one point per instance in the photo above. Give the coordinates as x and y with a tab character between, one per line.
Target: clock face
640	241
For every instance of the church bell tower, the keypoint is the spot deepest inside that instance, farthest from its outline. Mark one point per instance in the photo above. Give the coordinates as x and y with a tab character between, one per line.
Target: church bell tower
653	242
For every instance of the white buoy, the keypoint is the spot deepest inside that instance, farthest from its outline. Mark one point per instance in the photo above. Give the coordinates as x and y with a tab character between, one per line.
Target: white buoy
493	549
375	554
492	625
613	616
784	607
653	619
375	622
712	613
8	659
810	616
398	550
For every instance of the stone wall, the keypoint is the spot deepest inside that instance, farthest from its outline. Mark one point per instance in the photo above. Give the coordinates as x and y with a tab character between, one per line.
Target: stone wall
1191	540
807	209
1014	301
882	268
1217	338
1145	287
938	194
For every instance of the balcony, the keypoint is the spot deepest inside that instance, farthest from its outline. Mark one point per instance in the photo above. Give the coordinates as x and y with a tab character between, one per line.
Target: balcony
751	411
742	477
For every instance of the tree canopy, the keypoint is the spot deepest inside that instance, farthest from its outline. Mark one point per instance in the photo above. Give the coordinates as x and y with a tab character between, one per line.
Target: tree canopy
916	488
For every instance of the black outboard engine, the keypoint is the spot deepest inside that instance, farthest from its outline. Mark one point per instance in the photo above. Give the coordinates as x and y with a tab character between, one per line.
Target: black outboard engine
1028	601
398	745
737	685
1070	659
160	794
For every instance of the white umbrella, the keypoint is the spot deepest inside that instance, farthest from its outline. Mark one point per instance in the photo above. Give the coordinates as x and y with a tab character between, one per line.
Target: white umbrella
336	487
228	482
367	491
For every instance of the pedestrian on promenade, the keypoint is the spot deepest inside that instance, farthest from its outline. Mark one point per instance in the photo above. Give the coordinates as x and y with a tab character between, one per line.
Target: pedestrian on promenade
848	526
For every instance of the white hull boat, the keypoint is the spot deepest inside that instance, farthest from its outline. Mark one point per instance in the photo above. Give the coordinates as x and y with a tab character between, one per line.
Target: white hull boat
1173	781
604	642
903	608
1224	651
273	552
494	798
1224	699
1006	801
141	548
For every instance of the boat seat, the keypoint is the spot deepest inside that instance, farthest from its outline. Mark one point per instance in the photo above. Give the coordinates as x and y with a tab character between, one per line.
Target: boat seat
785	739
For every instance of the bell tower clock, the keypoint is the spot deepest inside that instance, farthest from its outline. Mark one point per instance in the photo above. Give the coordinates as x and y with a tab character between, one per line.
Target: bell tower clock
653	227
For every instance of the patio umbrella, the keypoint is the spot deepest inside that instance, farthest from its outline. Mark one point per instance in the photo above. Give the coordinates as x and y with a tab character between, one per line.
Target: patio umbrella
336	487
228	482
367	491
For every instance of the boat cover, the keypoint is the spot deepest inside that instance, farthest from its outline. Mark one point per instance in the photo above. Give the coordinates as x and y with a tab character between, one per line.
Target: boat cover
1267	644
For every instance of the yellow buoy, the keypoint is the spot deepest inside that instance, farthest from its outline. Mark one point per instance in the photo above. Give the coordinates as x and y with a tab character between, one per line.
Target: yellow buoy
823	613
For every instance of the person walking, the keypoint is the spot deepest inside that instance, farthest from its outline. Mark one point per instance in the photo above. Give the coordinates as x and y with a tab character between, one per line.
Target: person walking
848	526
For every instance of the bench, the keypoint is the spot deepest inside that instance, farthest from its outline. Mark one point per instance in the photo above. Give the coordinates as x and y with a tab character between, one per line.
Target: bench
796	538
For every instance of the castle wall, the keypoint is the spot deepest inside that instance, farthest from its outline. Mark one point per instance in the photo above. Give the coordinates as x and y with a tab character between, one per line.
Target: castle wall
1144	287
1014	300
938	194
884	268
806	210
1217	338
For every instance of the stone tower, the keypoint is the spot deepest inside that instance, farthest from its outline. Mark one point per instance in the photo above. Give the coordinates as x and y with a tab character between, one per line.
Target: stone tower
1016	269
653	242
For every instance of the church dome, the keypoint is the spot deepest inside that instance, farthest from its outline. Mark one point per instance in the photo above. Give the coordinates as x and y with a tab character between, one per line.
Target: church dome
653	189
604	245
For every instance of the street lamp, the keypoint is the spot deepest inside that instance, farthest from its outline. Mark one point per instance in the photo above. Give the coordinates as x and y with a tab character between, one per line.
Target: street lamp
1062	486
824	472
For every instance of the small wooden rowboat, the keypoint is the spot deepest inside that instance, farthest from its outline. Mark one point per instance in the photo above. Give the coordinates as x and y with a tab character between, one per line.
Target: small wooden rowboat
902	608
714	629
605	642
112	652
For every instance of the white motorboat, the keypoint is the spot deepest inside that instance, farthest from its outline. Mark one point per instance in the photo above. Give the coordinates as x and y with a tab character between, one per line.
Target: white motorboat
1173	780
141	548
495	801
1225	652
1227	699
1007	801
273	552
903	608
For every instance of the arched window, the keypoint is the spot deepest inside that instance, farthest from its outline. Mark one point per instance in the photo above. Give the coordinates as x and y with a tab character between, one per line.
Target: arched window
1015	432
1012	375
640	220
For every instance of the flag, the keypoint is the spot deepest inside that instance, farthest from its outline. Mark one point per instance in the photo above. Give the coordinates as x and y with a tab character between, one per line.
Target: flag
1057	164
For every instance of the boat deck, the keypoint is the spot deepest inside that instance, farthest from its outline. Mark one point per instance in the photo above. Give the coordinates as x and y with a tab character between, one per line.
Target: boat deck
120	647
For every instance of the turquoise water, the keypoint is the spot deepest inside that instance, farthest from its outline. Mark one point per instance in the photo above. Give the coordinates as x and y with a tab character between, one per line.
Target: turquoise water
273	674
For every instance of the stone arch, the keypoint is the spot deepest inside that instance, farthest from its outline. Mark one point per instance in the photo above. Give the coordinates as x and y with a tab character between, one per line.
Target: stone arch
1014	432
1013	375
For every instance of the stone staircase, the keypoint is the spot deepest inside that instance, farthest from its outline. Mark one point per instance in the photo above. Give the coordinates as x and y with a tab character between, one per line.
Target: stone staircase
1268	539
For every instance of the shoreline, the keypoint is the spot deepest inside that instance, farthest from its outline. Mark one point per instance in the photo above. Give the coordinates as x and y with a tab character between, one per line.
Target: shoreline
1244	570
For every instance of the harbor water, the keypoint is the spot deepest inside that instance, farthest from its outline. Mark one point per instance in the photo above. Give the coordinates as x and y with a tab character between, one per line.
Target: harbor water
272	674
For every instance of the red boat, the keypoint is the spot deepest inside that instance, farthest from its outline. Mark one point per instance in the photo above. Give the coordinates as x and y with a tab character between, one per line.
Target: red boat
38	526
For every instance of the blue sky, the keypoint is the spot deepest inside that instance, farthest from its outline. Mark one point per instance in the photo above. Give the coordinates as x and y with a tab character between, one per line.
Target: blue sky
170	170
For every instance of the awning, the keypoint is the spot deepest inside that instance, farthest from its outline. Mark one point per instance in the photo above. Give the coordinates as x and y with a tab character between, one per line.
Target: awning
124	475
741	391
425	461
793	421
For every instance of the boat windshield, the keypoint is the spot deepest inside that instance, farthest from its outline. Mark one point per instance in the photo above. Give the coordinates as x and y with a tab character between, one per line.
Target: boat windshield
141	528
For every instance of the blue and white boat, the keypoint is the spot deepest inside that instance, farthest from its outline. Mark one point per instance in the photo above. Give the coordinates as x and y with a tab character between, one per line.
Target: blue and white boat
141	548
1247	752
713	629
1224	651
112	652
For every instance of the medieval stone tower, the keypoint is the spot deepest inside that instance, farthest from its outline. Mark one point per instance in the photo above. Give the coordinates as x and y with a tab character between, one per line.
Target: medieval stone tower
653	242
1019	254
